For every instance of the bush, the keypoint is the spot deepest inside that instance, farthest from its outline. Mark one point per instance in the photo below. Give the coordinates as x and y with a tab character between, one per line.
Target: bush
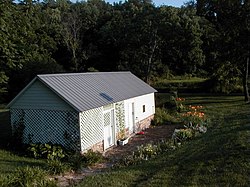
166	145
47	151
183	134
77	160
163	117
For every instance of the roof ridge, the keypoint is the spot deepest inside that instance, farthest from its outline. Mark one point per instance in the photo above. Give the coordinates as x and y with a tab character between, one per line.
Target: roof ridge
82	73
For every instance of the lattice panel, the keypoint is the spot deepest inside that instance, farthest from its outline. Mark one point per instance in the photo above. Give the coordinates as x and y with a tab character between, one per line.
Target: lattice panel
119	116
91	126
107	119
44	126
17	116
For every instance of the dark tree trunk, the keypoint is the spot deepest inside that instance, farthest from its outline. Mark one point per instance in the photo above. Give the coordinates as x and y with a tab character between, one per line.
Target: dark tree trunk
245	81
153	47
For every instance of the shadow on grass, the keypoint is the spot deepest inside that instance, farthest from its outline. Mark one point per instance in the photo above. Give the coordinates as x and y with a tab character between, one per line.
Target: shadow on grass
221	157
9	165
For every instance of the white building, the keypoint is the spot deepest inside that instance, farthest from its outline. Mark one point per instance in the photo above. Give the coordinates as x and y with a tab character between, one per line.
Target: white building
82	111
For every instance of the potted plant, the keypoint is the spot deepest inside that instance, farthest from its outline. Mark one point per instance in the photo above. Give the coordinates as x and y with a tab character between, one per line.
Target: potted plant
123	139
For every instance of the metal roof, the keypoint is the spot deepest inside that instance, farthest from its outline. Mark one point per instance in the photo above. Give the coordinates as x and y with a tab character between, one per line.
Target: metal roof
84	91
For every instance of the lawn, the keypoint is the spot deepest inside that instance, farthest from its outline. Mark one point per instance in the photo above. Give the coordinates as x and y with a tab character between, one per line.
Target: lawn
182	84
221	157
10	161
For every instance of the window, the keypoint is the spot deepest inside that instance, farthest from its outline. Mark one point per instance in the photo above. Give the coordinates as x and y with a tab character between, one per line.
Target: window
143	108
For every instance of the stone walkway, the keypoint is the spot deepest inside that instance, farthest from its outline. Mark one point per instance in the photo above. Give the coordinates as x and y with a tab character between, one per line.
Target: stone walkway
151	135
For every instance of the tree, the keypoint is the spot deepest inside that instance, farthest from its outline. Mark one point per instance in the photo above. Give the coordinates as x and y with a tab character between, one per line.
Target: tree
134	30
26	36
231	19
8	49
181	34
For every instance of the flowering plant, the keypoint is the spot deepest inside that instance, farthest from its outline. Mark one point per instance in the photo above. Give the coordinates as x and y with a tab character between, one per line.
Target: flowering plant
122	134
195	119
179	105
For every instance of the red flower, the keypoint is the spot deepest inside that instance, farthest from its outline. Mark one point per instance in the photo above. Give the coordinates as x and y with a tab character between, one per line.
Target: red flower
140	133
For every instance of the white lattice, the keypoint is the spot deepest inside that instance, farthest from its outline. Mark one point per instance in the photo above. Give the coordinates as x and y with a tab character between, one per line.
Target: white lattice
107	118
91	126
44	126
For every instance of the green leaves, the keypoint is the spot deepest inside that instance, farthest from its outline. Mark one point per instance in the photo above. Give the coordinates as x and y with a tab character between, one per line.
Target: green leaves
47	151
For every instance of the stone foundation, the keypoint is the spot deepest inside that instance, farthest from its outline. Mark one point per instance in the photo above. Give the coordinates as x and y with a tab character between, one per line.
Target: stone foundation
144	124
98	147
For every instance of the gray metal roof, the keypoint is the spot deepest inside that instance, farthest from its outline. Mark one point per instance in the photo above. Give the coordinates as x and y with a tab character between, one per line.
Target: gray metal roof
85	91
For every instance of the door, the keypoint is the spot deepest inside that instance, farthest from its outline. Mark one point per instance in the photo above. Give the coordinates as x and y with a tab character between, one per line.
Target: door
131	117
109	129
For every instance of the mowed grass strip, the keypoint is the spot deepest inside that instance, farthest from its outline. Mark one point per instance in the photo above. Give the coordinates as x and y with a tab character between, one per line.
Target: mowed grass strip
221	157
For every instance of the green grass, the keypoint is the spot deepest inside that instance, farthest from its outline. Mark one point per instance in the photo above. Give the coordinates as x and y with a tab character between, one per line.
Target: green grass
180	84
221	157
10	161
185	80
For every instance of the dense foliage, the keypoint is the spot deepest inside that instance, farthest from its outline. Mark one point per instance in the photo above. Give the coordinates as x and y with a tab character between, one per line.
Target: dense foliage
152	42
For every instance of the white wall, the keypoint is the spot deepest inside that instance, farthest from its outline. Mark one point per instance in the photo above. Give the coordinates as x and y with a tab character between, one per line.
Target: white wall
147	100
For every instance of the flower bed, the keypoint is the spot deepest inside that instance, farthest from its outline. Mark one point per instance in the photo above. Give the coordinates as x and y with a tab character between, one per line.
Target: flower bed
194	122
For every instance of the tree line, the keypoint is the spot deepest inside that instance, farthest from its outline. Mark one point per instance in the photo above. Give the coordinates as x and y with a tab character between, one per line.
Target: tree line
204	38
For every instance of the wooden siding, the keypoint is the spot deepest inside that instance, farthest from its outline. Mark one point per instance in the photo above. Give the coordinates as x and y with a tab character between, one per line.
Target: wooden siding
91	128
38	96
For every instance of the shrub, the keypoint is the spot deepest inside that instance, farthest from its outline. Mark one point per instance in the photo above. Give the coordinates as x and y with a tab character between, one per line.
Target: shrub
76	161
166	145
183	134
162	117
47	151
18	130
